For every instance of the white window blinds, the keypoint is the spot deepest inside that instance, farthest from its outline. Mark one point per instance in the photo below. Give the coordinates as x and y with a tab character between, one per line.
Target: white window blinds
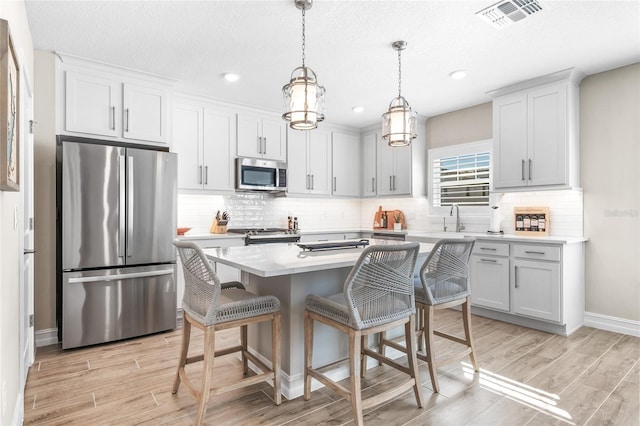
461	179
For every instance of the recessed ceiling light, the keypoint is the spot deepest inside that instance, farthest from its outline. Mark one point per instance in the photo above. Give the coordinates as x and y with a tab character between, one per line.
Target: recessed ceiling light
458	74
231	77
357	109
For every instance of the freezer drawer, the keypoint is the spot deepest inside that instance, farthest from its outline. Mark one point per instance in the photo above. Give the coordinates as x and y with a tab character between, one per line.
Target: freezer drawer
106	305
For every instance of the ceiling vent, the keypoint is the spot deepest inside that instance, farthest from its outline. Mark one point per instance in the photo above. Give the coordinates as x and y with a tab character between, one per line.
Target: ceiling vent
505	13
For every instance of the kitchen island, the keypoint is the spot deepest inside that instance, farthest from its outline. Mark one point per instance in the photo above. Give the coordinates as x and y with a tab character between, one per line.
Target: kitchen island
291	273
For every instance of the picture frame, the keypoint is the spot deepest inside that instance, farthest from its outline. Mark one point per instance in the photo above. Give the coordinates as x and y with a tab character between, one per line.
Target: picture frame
9	112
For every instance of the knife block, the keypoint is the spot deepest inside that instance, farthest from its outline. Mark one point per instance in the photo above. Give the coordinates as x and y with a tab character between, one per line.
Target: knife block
219	226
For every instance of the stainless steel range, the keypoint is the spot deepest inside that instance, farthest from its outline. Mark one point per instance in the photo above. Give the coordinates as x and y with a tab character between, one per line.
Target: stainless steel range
266	235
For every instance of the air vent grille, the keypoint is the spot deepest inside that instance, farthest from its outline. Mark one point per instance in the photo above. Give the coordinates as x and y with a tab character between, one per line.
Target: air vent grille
505	13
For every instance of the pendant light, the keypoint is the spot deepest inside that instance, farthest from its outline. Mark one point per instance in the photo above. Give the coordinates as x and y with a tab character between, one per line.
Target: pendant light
303	96
399	122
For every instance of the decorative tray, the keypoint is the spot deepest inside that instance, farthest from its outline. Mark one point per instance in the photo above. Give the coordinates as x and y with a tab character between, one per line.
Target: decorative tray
333	245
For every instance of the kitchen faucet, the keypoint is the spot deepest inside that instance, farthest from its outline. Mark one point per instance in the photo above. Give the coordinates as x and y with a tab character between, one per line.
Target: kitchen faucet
459	225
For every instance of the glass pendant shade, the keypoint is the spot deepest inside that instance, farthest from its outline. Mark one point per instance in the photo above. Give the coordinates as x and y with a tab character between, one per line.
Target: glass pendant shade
399	123
303	100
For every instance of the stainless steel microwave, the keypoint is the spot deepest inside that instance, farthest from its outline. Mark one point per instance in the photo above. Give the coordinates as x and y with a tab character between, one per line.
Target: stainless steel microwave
254	174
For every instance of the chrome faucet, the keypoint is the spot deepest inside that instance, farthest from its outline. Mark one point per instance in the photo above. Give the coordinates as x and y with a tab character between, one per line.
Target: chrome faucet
459	225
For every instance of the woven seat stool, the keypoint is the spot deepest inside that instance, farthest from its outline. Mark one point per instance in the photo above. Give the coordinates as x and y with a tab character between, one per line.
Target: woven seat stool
378	295
210	305
444	283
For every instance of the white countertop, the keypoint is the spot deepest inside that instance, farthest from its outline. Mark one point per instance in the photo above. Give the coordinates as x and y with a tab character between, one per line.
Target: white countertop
272	260
409	235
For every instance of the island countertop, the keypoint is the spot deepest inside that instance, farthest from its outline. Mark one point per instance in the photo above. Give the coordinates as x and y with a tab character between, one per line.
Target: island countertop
271	260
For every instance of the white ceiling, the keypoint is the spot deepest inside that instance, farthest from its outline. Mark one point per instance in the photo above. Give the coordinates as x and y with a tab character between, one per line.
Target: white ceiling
348	46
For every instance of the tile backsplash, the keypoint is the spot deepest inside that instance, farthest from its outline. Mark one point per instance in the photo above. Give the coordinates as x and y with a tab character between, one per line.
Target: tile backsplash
263	210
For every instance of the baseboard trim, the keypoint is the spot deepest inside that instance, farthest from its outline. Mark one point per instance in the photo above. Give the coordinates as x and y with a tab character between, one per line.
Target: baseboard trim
615	324
46	337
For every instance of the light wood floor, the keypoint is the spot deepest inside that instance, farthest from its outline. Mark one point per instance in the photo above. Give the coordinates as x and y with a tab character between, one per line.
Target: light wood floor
526	377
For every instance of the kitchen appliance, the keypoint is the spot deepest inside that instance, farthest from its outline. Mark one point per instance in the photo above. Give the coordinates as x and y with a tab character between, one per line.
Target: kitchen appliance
266	235
253	174
116	220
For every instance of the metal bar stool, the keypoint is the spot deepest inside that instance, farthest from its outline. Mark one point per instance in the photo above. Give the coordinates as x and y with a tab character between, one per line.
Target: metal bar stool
378	295
211	306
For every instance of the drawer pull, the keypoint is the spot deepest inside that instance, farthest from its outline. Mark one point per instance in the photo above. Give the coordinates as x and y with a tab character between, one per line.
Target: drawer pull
487	248
488	260
534	252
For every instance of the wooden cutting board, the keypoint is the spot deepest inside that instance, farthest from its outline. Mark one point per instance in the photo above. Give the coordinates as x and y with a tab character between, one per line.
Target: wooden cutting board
391	214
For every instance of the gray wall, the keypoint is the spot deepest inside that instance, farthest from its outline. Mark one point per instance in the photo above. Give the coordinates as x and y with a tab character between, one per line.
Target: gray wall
610	160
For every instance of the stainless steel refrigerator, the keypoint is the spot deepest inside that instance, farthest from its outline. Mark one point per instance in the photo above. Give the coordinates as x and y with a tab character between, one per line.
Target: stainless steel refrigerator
116	208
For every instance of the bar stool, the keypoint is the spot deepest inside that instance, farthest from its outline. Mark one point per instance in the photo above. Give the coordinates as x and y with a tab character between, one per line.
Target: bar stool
211	306
444	283
378	295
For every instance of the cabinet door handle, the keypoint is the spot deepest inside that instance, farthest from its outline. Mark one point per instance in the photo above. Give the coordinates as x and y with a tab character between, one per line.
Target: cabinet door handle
488	260
530	168
373	184
534	252
200	176
259	144
523	169
126	118
312	182
394	182
515	276
488	248
334	184
307	185
264	145
113	118
390	183
206	175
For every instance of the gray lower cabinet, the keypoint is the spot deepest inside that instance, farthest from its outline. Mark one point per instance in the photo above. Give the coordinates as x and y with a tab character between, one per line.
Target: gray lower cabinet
532	284
490	276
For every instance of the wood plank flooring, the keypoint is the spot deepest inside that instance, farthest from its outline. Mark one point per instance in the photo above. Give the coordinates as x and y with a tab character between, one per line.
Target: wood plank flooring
527	377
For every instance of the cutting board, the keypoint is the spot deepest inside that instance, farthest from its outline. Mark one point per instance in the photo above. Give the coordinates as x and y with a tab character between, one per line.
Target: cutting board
391	214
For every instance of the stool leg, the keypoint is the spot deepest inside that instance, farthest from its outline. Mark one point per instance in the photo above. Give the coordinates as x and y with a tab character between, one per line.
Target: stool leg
410	338
382	336
431	359
420	326
243	343
466	319
363	357
355	348
308	353
276	331
184	349
209	357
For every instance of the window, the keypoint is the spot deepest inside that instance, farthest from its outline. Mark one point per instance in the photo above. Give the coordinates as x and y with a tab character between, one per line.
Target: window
460	175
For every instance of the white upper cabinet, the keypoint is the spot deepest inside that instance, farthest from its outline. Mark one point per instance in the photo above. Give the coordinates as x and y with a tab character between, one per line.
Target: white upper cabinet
391	171
204	138
261	136
145	112
394	169
346	164
535	132
112	103
369	164
309	165
91	104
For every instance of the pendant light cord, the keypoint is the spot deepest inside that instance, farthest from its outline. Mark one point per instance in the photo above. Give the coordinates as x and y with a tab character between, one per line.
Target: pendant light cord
399	73
303	36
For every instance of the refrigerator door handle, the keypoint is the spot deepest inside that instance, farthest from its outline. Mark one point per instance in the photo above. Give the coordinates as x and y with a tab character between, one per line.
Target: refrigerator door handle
129	203
103	278
121	206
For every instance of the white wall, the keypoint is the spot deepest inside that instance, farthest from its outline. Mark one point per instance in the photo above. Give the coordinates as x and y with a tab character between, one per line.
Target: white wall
11	398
